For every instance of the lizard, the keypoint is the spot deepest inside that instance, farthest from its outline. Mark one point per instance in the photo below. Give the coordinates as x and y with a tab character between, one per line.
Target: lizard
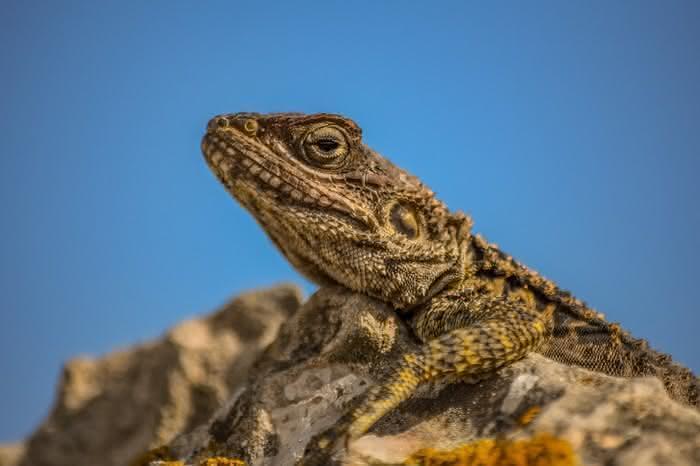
342	214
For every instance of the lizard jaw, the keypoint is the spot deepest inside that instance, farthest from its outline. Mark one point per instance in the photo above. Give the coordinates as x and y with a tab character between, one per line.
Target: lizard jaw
335	222
244	166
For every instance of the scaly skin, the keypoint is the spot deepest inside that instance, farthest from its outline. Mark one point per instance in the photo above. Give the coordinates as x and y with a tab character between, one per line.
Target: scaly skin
343	214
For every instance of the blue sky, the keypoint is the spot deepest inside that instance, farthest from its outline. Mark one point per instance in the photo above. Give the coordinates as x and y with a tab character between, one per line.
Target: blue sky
569	130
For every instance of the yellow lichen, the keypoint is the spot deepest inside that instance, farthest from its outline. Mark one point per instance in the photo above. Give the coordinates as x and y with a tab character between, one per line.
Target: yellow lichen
156	454
221	461
541	450
529	415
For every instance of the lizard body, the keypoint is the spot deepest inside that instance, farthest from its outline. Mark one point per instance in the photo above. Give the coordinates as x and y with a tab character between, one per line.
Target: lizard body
343	214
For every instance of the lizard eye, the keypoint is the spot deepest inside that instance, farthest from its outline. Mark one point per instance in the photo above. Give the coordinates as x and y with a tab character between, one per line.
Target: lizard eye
326	146
404	220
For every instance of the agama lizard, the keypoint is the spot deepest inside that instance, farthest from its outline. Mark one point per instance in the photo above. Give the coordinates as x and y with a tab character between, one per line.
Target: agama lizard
343	214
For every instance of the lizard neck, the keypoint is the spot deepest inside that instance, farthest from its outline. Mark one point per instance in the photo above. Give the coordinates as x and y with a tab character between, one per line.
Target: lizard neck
460	226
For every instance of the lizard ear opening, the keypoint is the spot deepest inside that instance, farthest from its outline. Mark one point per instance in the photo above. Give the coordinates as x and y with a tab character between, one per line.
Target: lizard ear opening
404	220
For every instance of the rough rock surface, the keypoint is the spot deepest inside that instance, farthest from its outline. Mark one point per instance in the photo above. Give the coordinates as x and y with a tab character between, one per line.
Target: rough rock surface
340	342
10	454
109	410
196	391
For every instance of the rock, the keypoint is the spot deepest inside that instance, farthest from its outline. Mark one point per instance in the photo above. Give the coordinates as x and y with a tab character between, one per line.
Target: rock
112	409
340	343
198	392
10	454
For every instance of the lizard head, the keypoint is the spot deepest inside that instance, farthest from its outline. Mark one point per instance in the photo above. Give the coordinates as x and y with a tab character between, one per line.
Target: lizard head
337	210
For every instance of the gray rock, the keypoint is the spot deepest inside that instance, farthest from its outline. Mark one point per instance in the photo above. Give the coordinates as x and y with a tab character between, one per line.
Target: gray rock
340	343
11	453
198	391
112	409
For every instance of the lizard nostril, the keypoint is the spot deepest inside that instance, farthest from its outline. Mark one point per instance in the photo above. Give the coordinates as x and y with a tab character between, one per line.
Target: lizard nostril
217	122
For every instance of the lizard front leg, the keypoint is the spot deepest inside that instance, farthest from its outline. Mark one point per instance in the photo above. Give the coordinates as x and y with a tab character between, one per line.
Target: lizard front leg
500	331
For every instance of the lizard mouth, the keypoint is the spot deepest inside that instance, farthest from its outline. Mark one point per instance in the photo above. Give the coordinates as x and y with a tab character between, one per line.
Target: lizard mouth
285	204
266	181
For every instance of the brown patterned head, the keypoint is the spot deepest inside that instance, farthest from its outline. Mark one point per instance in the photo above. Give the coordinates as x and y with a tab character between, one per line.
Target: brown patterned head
336	209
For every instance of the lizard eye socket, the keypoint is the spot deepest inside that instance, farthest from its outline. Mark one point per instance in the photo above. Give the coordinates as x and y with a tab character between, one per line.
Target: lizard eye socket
326	146
404	220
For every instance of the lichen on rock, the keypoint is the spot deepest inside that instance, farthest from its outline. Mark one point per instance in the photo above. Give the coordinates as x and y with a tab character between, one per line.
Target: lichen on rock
257	380
336	346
